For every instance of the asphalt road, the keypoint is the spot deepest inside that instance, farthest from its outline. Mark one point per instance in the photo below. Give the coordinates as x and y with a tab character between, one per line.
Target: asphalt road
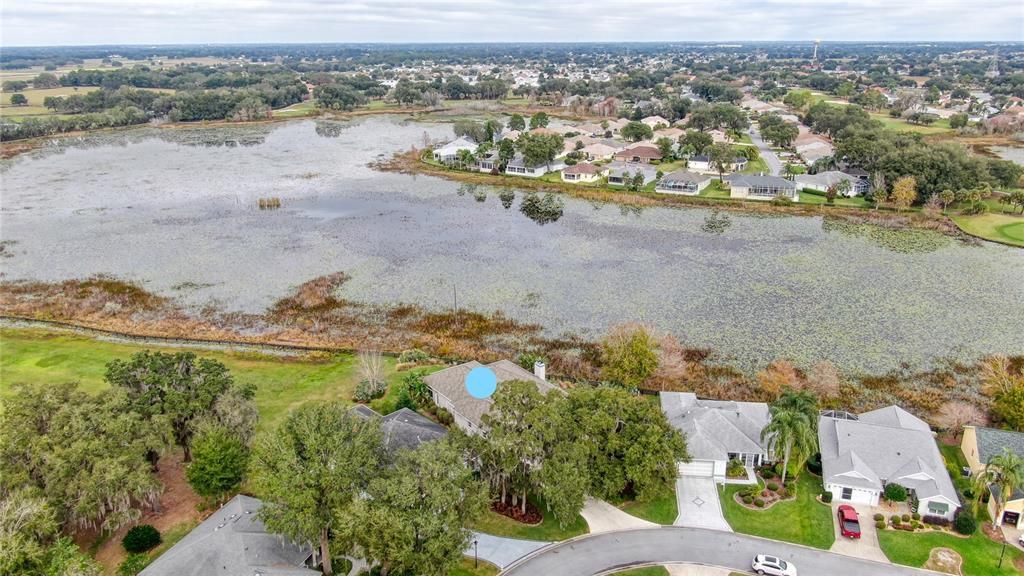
598	553
769	155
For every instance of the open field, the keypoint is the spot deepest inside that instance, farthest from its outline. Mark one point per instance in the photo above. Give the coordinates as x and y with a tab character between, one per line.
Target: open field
1002	228
47	357
306	108
28	74
36	97
940	126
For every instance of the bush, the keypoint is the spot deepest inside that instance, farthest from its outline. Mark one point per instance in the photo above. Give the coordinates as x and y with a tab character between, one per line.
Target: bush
404	401
826	497
773	486
141	538
935	520
368	390
895	518
759	502
879	517
814	464
895	493
977	208
748	499
915	516
880	524
444	417
965	524
782	201
735	469
132	565
905	518
412	356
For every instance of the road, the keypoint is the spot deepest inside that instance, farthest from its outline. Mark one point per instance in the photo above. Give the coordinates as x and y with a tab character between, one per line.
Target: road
769	155
597	553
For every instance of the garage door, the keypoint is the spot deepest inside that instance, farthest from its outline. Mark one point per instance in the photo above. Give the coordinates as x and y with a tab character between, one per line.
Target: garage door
697	468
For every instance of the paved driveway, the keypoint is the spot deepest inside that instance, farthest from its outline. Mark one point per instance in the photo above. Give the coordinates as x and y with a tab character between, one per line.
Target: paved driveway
867	546
699	506
597	553
603	517
771	159
502	551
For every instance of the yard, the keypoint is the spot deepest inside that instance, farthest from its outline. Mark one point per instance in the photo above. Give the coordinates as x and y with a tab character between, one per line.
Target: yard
547	531
801	521
816	197
661	509
282	383
980	555
466	568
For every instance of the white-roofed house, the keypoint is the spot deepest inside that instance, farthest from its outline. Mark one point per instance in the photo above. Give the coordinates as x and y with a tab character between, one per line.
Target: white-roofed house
655	121
449	153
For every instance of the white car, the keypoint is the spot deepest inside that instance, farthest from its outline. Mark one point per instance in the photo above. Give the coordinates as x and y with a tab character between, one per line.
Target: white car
764	564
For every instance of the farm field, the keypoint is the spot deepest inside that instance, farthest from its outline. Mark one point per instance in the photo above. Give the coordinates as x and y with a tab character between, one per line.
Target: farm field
36	97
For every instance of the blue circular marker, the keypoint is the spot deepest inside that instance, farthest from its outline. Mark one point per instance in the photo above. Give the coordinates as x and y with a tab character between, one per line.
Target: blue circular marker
481	382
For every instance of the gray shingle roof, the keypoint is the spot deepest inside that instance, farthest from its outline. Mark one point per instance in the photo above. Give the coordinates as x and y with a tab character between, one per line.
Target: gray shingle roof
233	542
885	445
715	428
991	442
752	180
451	383
404	428
684	176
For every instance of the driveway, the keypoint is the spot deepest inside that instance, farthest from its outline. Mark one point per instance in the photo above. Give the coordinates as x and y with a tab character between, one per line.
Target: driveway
699	506
597	553
771	159
502	551
603	517
867	546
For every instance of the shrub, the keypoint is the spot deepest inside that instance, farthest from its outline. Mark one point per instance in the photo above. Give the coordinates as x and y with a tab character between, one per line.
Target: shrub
141	538
782	201
748	499
782	492
915	516
404	401
814	464
132	565
895	518
895	493
880	524
413	355
759	502
735	469
977	208
444	417
773	486
935	520
826	497
905	518
368	390
965	524
879	517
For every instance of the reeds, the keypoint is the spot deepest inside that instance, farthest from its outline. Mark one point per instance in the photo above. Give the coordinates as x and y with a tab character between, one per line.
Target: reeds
272	203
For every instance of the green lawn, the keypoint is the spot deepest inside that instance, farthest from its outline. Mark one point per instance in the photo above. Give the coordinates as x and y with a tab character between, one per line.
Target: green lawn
465	568
938	127
1004	228
815	197
645	571
40	356
660	510
756	167
548	530
305	108
980	554
716	189
801	521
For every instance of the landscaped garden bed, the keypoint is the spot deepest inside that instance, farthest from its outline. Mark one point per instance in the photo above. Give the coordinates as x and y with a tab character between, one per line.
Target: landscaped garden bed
531	516
768	491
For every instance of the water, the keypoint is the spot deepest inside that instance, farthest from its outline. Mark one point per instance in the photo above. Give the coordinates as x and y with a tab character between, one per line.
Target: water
176	211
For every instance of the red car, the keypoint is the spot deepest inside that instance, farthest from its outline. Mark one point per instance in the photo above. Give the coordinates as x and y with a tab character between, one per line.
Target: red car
848	523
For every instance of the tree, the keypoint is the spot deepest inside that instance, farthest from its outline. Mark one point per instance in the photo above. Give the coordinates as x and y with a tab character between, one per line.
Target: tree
1005	473
417	388
219	460
475	131
699	141
666	147
312	469
337	97
635	131
1006	389
27	522
953	416
465	158
904	192
515	449
798	99
958	120
19	100
492	128
824	379
721	157
946	197
46	80
414	518
251	108
539	120
516	122
628	355
539	148
789	431
177	386
895	492
506	151
1016	198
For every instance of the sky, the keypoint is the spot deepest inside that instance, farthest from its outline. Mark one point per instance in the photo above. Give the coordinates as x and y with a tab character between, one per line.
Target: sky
78	22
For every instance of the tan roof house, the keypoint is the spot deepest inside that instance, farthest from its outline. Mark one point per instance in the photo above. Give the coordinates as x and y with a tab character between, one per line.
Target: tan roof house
599	151
655	121
582	172
978	445
643	153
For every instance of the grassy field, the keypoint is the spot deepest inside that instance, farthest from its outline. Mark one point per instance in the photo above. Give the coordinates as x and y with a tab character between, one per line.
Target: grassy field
465	568
938	127
756	167
1002	228
44	357
660	510
819	198
980	555
35	99
801	521
548	530
715	190
307	108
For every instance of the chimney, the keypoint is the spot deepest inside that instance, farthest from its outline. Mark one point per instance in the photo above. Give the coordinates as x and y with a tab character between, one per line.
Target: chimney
540	370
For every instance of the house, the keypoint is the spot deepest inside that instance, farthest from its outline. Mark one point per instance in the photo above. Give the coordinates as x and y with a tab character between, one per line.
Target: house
978	445
591	129
450	152
489	163
234	542
822	181
760	187
716	432
512	135
616	125
655	121
644	153
617	172
702	163
582	172
860	455
519	167
683	182
403	429
599	151
448	388
672	134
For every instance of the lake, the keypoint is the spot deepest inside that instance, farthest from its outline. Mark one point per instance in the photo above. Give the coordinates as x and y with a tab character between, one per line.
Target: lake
176	210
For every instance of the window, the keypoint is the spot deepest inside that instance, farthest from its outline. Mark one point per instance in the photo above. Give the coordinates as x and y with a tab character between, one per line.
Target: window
847	493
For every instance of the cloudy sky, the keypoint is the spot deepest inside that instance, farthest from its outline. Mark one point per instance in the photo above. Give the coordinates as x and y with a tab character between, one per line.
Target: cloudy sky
62	22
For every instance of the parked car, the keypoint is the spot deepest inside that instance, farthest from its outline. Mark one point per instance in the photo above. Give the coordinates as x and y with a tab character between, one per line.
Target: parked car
1021	540
764	564
849	526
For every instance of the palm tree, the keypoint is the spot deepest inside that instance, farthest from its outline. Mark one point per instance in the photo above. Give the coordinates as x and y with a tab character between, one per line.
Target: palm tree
789	430
802	401
1006	473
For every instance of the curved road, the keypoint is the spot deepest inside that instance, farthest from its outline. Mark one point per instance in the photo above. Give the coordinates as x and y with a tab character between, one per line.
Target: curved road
771	159
594	554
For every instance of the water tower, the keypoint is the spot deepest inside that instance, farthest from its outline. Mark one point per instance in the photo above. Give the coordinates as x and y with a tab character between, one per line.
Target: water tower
815	57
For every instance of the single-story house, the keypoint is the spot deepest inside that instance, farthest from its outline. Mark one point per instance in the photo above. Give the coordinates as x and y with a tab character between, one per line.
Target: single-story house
639	153
860	455
590	129
449	152
672	134
234	542
655	121
617	124
403	429
822	181
978	445
448	388
506	134
702	163
717	431
760	187
518	166
616	172
489	163
599	151
582	172
683	182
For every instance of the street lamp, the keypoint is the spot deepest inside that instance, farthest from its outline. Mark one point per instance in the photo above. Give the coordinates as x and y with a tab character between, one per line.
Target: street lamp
476	557
1002	553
